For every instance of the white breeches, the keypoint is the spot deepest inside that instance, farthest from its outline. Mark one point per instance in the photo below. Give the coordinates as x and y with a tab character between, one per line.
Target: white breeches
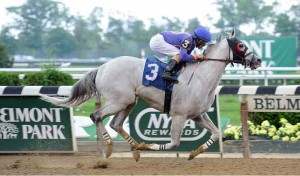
158	44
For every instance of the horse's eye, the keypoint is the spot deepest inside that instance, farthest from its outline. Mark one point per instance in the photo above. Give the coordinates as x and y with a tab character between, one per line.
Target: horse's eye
240	47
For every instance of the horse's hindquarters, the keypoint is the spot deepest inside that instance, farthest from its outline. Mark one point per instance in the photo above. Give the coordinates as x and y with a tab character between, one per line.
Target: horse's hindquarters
152	96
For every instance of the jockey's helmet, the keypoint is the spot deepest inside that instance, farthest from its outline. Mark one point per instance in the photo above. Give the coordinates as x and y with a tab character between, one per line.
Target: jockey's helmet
202	34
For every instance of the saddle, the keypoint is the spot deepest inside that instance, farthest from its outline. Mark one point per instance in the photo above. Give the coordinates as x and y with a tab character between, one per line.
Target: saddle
153	71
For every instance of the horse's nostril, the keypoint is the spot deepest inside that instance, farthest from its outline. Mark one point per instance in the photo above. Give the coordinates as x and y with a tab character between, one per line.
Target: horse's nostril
259	60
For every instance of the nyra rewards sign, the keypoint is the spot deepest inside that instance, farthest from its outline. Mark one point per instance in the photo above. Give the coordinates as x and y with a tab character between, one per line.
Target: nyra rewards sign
151	126
29	124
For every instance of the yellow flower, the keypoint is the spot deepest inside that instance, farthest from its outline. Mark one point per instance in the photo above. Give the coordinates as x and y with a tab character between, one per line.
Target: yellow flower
251	123
272	129
236	136
285	138
276	137
265	124
271	134
294	139
283	121
263	132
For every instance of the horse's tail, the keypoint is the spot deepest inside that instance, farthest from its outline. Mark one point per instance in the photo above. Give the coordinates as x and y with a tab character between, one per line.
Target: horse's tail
82	91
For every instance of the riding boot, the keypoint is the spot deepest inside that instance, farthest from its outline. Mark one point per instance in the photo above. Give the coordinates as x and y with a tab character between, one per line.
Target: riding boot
168	73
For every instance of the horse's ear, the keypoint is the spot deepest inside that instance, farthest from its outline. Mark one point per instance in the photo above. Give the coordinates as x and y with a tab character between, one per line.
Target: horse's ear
218	38
233	32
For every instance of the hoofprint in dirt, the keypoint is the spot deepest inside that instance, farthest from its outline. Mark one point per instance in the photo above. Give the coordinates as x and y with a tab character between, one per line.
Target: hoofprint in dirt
83	164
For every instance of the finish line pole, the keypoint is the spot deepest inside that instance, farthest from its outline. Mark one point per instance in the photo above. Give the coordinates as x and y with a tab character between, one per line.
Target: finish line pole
245	133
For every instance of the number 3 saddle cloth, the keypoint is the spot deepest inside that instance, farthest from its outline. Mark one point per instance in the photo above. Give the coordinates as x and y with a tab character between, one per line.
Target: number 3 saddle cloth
153	71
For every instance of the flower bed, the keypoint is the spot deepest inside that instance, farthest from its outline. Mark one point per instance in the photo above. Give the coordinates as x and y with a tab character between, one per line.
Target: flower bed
287	131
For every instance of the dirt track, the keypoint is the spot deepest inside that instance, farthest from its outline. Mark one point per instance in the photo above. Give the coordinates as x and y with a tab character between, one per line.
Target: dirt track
82	164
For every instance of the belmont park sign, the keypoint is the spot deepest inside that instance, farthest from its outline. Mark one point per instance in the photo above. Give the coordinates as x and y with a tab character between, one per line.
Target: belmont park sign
30	124
35	115
273	103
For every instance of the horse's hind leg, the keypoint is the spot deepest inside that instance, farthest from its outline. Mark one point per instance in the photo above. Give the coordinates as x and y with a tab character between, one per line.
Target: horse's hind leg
204	121
102	134
117	125
176	129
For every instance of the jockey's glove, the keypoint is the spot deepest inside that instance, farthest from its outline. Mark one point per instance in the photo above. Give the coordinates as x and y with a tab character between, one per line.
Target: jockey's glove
199	57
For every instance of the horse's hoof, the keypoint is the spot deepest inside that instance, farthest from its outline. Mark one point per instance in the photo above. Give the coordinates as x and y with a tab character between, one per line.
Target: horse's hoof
101	163
109	149
192	155
136	155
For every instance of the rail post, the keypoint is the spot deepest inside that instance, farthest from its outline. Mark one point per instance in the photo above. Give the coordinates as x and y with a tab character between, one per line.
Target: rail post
245	133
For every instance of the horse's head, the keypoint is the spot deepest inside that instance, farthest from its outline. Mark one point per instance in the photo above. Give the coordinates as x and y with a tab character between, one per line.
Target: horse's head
237	52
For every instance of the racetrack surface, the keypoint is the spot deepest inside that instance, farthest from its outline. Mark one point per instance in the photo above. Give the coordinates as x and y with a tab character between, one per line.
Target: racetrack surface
83	164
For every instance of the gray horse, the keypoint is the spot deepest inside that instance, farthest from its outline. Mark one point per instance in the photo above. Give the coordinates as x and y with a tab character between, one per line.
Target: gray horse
119	82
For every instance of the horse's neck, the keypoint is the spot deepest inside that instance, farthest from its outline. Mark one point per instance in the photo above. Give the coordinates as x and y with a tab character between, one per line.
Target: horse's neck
210	72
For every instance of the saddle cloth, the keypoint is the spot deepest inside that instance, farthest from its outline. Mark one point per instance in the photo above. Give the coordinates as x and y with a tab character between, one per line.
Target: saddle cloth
153	71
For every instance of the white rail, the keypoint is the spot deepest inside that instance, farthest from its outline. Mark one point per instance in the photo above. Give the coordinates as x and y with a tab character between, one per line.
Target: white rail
239	69
233	73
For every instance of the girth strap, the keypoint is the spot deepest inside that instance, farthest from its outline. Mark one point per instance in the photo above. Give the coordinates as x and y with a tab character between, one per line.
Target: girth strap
168	97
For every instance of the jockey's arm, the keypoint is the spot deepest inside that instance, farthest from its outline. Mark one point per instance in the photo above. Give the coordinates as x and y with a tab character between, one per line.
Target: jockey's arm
185	47
184	56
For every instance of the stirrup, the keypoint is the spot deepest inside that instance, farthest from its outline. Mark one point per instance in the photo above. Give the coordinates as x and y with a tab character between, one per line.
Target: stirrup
167	76
170	79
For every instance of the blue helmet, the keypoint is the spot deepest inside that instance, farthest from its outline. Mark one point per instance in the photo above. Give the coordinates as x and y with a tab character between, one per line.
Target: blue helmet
202	34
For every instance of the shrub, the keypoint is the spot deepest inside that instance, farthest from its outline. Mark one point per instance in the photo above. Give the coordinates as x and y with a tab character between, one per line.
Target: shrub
34	79
9	79
274	117
48	77
5	61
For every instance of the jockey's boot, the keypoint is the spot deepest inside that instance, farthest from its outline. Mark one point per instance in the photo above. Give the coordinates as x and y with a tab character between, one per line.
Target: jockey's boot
168	73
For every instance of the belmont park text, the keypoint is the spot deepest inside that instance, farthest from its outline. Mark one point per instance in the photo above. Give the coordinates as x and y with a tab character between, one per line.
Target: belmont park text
37	116
30	114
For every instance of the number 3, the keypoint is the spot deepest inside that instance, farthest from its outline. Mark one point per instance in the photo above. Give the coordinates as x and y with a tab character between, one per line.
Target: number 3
154	71
185	44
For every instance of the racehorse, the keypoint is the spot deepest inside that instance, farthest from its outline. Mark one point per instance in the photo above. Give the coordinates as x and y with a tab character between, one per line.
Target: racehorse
119	82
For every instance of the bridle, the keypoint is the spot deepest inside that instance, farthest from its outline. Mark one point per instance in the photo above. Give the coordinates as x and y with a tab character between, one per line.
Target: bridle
238	49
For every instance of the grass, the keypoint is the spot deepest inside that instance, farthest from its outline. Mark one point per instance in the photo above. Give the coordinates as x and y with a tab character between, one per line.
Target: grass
229	108
85	109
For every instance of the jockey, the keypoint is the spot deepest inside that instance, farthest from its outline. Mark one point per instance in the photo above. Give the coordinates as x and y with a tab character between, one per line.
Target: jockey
179	46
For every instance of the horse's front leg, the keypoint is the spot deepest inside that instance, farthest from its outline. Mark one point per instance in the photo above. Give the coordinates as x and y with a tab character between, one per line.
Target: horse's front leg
204	121
176	129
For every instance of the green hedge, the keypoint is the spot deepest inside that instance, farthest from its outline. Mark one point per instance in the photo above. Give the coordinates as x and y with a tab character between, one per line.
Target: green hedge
9	79
273	117
49	77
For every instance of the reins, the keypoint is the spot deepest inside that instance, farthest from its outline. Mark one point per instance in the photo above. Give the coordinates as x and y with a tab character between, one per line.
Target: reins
227	60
